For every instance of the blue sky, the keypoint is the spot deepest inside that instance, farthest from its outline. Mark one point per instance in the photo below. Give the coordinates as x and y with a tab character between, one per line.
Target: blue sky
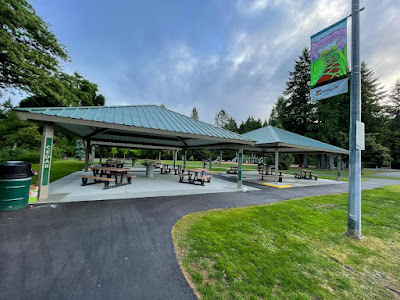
215	54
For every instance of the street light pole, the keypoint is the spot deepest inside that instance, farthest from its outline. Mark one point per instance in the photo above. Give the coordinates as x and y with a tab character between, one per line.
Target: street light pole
354	206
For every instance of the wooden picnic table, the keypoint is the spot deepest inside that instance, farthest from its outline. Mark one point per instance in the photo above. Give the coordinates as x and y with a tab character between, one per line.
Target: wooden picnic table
111	172
193	176
232	170
303	174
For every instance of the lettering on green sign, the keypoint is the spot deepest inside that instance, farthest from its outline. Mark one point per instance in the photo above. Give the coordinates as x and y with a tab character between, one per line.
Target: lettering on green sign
47	161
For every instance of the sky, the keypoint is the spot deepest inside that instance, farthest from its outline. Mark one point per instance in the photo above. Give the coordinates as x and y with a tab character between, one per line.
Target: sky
216	54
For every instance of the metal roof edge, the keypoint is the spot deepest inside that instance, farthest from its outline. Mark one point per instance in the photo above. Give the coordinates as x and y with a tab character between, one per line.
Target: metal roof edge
24	115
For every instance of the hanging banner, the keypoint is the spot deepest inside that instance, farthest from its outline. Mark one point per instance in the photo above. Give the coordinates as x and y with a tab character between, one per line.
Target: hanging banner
329	61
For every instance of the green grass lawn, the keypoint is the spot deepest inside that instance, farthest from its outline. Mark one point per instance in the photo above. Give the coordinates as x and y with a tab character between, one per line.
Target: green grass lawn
60	168
294	249
327	174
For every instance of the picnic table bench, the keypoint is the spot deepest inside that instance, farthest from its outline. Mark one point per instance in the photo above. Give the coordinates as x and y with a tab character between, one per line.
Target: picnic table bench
195	175
105	174
97	179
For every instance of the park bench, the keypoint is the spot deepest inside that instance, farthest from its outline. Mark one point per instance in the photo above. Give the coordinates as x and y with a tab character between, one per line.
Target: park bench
203	178
315	177
297	175
96	180
129	177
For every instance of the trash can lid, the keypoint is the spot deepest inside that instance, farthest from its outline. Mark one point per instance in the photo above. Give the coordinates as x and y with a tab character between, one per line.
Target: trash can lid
15	170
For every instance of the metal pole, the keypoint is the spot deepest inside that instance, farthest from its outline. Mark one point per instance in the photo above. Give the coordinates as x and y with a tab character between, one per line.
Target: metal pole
174	154
220	157
276	165
240	166
354	209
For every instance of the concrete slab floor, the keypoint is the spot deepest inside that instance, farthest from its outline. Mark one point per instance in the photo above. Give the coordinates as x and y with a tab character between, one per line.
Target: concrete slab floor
69	189
288	179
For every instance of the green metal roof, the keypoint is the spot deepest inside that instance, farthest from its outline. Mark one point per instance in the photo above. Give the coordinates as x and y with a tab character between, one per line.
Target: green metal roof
270	135
146	124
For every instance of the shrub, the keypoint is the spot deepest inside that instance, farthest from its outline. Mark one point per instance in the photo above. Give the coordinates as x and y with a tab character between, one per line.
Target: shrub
30	156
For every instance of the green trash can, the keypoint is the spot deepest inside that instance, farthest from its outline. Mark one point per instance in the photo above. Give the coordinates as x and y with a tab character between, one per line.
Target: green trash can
15	180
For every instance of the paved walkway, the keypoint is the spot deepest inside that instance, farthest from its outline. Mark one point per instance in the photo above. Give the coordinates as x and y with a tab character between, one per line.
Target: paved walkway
120	249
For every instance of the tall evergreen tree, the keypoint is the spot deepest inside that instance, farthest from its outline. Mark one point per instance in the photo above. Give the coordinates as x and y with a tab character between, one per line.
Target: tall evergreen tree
394	106
250	125
221	118
231	125
194	114
371	107
294	112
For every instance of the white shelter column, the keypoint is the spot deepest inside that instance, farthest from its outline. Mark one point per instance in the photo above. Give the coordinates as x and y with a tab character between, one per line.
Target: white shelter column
87	154
45	161
240	166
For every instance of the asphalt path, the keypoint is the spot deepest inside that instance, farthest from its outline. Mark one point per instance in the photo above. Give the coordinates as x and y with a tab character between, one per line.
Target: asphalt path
117	249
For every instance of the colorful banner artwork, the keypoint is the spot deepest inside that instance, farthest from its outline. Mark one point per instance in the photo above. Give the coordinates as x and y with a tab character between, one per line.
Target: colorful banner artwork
329	59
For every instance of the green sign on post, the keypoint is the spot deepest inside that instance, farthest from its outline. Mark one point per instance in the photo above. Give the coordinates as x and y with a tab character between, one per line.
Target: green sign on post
240	163
47	161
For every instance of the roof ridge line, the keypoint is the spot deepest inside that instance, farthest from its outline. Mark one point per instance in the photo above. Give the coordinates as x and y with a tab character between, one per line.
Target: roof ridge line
273	133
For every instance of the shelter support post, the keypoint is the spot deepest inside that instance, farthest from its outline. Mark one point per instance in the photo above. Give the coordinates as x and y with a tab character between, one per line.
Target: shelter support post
159	155
174	158
45	160
240	167
210	165
101	153
339	167
220	157
87	154
184	160
276	165
331	162
93	155
305	161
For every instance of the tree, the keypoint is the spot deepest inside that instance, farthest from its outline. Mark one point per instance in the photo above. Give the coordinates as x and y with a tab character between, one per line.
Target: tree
79	150
231	125
250	125
394	106
194	114
14	132
221	118
162	106
67	90
371	97
29	52
295	112
375	154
